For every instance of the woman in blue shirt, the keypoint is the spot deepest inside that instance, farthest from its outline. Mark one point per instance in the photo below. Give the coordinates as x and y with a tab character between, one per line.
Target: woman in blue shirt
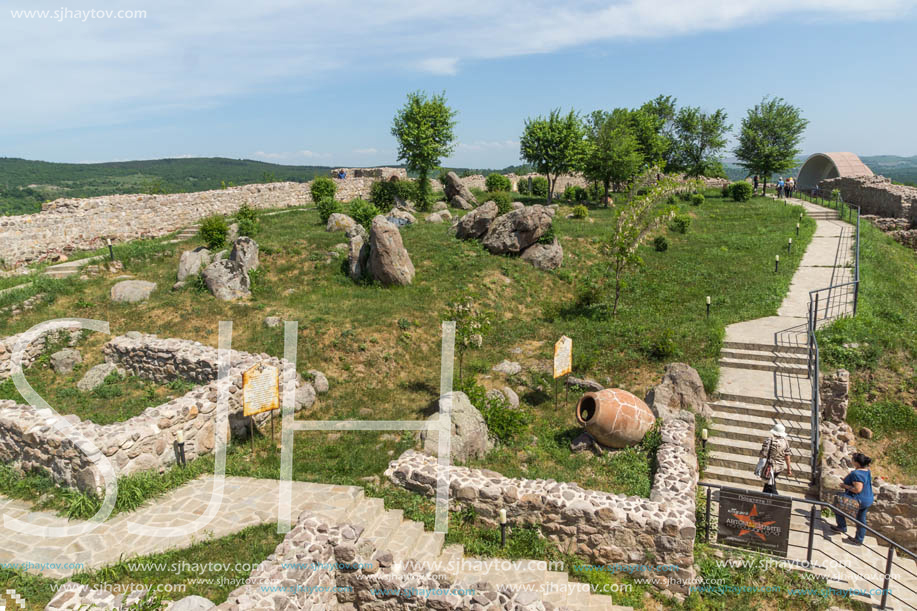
858	485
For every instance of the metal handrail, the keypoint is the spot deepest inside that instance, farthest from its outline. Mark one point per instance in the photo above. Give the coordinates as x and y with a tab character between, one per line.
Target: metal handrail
892	546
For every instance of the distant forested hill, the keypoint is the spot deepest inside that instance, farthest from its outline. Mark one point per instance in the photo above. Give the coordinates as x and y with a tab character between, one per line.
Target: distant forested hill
25	185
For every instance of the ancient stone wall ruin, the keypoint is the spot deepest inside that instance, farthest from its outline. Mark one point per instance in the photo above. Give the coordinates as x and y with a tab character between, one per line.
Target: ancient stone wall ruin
875	195
144	442
602	527
34	350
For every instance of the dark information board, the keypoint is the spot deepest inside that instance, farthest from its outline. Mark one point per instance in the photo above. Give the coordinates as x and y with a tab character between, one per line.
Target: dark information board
755	521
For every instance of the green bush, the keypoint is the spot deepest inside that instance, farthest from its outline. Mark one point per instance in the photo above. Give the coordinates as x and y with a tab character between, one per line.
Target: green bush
522	186
726	191
323	188
740	191
595	192
247	220
663	346
680	223
697	199
660	243
498	182
540	186
363	212
327	207
685	196
383	193
503	200
671	200
580	211
504	423
214	231
548	236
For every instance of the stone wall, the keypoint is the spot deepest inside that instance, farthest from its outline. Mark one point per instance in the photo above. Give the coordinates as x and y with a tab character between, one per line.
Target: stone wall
144	442
894	513
32	351
875	195
602	527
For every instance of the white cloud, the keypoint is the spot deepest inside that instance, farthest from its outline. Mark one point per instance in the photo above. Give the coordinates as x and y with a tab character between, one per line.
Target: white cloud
197	55
368	151
291	156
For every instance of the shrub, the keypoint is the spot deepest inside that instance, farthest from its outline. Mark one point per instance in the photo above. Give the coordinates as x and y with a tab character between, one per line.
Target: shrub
726	191
697	199
660	243
363	212
594	192
327	207
504	423
685	196
680	223
835	193
663	346
503	200
384	192
579	194
214	231
548	236
540	186
580	211
247	220
497	182
323	188
522	186
740	191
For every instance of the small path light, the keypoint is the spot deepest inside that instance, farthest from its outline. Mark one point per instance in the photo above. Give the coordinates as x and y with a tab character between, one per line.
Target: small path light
708	306
502	528
180	447
789	246
797	229
111	251
703	438
776	263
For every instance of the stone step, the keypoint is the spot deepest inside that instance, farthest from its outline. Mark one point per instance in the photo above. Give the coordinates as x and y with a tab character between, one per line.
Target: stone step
758	426
382	530
796	412
775	355
742	478
799	459
759	347
797	404
761	365
724	436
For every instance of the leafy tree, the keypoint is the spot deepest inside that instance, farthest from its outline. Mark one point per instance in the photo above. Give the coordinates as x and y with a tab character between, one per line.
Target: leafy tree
471	325
633	220
552	145
699	139
769	139
424	129
663	108
611	151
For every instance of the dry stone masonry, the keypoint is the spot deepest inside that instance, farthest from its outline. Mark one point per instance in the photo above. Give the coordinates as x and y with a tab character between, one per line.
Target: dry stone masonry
876	195
602	527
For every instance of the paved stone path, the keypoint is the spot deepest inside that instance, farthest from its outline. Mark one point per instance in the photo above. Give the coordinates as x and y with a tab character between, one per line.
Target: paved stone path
764	380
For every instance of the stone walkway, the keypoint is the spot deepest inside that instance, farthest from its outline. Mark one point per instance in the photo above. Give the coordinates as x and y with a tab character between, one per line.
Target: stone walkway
764	380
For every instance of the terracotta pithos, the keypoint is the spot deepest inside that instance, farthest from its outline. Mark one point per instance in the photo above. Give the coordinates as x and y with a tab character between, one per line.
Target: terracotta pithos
614	417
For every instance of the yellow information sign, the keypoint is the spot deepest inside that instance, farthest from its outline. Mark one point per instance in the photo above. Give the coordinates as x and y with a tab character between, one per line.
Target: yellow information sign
563	356
260	389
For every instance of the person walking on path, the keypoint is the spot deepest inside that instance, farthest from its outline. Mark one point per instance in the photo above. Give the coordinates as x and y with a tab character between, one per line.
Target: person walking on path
858	486
790	186
780	185
776	454
755	191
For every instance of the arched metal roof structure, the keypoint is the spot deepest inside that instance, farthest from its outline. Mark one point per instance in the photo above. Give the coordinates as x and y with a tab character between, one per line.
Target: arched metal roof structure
830	165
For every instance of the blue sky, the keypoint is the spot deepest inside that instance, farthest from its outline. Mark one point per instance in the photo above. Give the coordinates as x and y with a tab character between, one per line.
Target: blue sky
318	82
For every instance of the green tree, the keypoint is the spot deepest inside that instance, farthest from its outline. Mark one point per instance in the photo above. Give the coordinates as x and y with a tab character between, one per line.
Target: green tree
769	138
552	145
699	139
633	220
611	151
471	325
424	129
663	108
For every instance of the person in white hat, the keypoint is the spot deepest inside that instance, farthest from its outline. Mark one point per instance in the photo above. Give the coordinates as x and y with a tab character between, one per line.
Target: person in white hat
776	452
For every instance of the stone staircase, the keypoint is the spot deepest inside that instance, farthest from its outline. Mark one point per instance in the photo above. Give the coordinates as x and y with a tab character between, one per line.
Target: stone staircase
71	268
185	234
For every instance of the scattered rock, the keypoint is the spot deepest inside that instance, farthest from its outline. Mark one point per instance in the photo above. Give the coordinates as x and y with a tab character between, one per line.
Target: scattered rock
305	396
515	231
585	443
339	222
508	367
232	232
461	203
681	388
192	262
584	384
401	217
65	360
511	397
544	256
453	187
192	603
866	433
476	223
358	256
436	217
245	253
227	280
132	291
470	438
272	322
319	381
518	205
389	261
440	206
96	376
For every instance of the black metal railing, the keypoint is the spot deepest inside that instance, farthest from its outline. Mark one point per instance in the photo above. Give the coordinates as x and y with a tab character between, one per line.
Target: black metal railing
814	516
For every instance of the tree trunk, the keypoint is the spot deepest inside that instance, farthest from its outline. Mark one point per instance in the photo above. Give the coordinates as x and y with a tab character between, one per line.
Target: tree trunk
606	186
764	187
423	186
551	188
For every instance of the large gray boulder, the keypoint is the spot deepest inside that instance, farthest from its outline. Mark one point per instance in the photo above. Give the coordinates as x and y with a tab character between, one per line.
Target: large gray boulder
544	256
389	262
96	376
357	256
192	262
339	222
459	202
470	438
245	253
454	188
227	280
192	603
132	291
681	389
402	216
65	360
515	231
476	223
